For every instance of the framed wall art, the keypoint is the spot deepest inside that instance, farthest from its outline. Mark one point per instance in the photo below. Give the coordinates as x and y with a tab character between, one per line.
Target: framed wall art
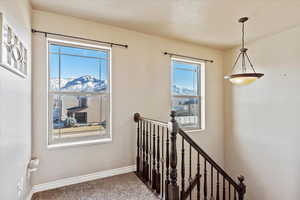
13	53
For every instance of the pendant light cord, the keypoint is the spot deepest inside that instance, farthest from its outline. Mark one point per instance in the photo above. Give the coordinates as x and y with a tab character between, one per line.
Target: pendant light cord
243	35
245	53
243	47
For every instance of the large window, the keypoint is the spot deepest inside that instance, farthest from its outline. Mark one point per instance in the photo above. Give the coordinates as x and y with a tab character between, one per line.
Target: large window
187	90
79	93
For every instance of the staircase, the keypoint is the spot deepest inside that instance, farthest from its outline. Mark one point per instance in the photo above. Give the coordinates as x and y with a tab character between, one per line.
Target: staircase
164	150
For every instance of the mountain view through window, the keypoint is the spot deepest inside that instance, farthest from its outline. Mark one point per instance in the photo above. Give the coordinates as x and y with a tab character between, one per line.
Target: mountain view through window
78	92
186	93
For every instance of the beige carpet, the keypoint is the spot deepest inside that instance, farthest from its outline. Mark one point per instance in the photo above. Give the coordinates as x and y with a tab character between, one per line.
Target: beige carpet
121	187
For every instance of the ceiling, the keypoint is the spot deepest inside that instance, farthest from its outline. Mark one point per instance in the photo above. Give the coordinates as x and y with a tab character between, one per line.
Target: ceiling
207	22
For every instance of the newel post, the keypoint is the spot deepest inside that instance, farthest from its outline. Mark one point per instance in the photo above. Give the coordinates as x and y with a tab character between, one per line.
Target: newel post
242	188
137	118
173	187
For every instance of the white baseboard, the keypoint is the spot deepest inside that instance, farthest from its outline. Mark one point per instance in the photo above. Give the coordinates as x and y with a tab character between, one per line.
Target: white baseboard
83	178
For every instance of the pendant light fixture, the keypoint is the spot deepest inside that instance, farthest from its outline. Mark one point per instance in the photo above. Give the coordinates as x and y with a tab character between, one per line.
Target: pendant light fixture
243	77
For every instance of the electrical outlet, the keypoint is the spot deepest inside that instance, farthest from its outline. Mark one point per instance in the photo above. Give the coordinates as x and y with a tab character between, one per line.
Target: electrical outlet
20	188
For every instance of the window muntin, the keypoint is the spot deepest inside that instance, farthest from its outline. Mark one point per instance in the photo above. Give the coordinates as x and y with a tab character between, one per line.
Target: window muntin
79	92
187	93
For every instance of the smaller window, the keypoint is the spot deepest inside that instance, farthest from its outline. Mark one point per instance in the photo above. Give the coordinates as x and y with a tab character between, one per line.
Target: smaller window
187	91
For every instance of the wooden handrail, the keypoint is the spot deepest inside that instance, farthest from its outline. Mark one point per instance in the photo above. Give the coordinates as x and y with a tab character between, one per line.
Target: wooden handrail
196	147
138	117
172	189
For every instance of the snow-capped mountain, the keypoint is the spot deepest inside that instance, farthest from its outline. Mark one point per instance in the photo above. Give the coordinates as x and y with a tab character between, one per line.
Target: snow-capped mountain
91	84
54	83
182	91
82	84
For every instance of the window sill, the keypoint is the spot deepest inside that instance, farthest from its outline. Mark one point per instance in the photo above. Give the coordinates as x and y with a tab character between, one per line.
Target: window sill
76	144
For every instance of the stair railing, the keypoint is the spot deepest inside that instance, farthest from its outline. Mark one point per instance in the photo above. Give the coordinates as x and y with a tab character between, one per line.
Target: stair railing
157	164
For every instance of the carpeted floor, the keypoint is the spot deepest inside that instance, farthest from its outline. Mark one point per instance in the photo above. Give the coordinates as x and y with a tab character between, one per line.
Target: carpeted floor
121	187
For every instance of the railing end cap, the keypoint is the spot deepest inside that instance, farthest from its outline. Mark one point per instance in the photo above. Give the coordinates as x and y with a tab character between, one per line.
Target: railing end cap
173	114
241	178
136	117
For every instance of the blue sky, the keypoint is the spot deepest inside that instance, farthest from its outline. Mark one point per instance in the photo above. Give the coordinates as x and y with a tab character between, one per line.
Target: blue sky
74	67
185	78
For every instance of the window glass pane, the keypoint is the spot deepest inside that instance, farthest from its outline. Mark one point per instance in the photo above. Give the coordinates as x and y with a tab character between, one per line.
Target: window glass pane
54	73
53	48
185	78
187	111
79	108
77	69
78	51
78	115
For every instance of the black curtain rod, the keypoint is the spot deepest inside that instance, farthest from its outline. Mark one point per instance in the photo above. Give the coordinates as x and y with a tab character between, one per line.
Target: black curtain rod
173	54
79	38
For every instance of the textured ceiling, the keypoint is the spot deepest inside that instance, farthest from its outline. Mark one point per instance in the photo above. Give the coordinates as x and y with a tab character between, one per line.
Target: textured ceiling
207	22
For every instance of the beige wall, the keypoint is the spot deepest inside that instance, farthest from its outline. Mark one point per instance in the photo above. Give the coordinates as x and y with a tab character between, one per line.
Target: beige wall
262	120
140	77
15	109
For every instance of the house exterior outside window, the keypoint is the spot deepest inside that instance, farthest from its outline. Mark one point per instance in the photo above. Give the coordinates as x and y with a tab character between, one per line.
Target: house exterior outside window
187	93
79	93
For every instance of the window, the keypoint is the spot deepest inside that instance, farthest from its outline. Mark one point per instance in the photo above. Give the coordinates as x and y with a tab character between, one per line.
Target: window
187	91
78	93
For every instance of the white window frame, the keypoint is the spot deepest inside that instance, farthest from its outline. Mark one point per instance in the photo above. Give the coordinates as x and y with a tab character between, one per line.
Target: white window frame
84	140
201	87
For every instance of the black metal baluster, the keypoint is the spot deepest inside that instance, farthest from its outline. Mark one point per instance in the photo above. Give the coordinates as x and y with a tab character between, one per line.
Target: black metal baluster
218	187
153	162
162	162
224	192
198	173
211	182
150	153
144	150
182	170
205	180
190	172
229	191
141	150
138	148
147	152
235	194
158	161
167	166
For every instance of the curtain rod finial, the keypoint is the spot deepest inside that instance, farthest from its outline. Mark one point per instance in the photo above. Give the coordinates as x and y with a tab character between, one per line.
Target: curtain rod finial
243	19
